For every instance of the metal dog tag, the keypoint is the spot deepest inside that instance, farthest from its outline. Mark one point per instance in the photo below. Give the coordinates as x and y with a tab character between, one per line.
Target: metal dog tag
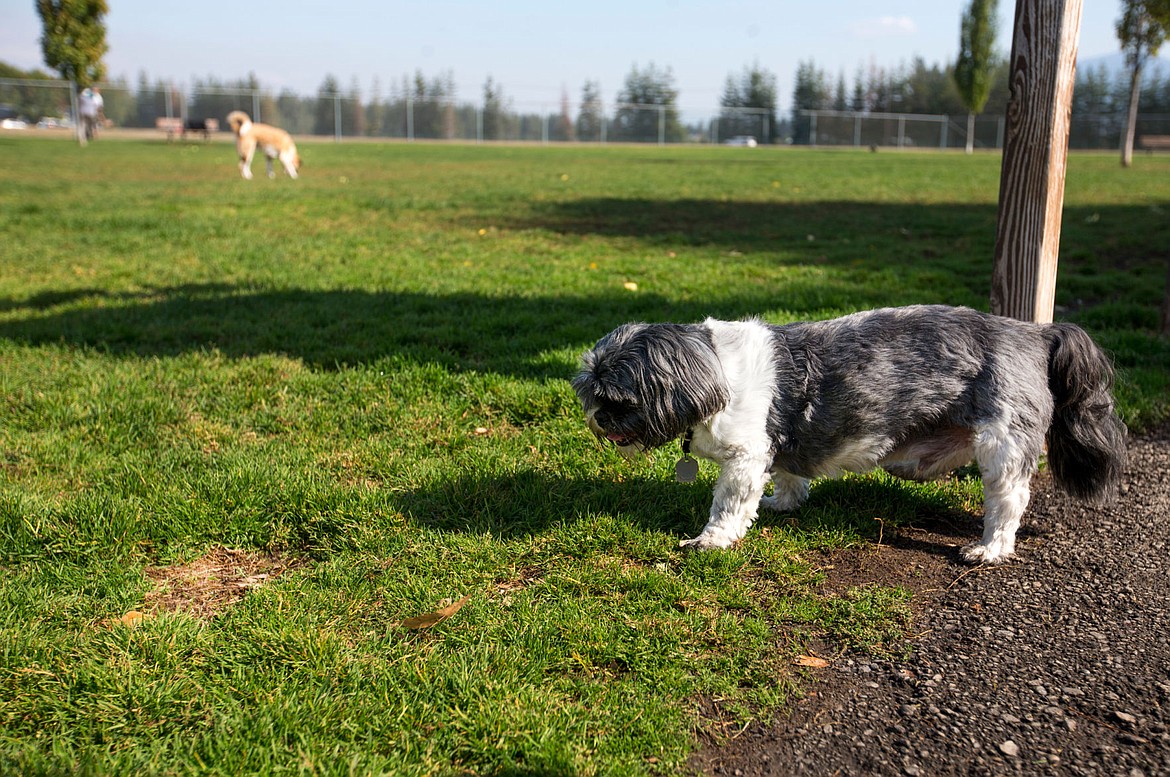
686	470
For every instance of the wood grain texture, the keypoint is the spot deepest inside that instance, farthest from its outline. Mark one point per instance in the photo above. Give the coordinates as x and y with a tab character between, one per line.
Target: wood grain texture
1031	189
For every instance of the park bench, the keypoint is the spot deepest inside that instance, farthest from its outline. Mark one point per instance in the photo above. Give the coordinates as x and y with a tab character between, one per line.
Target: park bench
1154	142
172	125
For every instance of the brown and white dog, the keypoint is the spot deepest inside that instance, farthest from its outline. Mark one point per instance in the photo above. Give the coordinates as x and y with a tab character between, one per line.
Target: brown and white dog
275	142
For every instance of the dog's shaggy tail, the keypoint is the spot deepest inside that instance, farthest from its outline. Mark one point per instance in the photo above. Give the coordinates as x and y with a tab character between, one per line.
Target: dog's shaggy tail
1086	442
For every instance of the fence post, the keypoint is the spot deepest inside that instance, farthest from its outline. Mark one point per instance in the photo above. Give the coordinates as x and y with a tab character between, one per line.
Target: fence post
901	132
662	125
78	124
857	130
812	129
336	117
1031	187
409	118
479	125
942	134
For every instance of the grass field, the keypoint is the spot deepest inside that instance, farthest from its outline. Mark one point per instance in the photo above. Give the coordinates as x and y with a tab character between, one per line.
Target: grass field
359	380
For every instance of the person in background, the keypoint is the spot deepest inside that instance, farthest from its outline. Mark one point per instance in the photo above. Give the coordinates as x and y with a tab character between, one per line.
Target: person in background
92	108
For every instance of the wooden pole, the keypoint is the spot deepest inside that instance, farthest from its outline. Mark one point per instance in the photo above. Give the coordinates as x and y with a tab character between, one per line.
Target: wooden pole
1031	187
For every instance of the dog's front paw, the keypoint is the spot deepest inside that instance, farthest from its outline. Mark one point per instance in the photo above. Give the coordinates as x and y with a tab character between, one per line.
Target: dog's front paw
706	541
980	553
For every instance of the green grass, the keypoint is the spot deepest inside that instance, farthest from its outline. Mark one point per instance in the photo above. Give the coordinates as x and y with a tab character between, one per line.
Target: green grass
367	368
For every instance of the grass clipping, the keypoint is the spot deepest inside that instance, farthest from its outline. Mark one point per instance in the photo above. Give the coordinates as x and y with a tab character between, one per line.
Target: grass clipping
213	582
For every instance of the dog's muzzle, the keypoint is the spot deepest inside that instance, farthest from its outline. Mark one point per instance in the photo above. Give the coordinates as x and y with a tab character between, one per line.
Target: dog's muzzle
620	440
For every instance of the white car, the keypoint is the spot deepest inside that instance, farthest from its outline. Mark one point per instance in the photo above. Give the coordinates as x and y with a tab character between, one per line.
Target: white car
741	140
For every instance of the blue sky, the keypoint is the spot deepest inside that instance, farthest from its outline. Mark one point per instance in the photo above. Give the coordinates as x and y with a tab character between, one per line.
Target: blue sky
533	50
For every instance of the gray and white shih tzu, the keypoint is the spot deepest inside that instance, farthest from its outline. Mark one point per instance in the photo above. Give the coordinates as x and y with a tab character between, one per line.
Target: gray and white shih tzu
918	391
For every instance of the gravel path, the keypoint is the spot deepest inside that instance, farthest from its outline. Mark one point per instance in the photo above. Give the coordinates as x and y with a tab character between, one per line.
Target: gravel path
1056	663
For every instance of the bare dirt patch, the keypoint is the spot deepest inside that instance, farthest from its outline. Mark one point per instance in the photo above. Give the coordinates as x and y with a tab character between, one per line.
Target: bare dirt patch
213	582
1055	663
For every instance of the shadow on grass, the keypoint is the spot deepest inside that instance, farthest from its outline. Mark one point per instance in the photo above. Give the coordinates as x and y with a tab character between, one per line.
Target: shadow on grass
923	231
509	333
529	503
873	254
336	328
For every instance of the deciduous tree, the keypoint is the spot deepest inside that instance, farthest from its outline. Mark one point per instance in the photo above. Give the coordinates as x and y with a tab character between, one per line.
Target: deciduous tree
1141	29
975	67
74	39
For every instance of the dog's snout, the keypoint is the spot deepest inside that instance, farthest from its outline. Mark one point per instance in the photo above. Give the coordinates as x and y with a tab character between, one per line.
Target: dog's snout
603	418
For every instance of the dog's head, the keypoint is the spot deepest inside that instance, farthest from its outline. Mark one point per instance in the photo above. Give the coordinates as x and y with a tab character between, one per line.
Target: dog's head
644	385
236	120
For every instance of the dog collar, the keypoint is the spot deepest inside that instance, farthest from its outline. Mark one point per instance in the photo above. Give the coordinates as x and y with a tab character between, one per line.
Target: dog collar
687	469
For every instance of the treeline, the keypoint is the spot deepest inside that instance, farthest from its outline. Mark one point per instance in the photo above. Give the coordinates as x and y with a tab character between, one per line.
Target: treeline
645	108
1100	98
919	88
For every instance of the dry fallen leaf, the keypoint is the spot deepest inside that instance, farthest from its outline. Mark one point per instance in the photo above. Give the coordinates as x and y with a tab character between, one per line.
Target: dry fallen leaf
436	617
812	661
630	286
130	620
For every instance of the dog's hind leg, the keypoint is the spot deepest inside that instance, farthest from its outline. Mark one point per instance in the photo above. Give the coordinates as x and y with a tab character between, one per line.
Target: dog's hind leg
788	492
1007	458
286	160
246	161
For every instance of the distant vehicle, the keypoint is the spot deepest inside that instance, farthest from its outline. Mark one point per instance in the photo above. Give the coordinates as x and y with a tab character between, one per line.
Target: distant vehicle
741	140
11	124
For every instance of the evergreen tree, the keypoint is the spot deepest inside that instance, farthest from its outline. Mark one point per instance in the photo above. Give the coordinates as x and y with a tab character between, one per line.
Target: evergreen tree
494	120
857	102
324	116
811	92
749	105
646	105
590	114
840	98
376	110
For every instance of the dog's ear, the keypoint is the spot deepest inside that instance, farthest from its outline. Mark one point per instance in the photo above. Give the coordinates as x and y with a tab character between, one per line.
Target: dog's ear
681	363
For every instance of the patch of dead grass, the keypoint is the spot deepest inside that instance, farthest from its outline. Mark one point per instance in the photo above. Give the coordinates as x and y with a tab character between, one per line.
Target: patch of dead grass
213	582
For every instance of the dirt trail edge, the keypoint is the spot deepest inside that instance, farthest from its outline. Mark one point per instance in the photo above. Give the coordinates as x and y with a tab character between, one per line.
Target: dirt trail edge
1056	663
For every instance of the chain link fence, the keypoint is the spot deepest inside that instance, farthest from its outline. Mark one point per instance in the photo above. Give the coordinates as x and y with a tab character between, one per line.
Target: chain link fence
51	104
